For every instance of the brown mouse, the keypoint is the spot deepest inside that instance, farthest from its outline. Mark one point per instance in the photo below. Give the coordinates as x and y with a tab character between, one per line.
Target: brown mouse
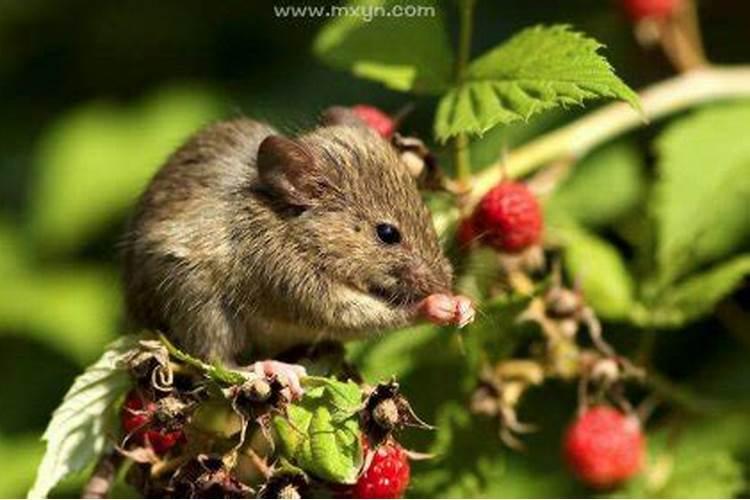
246	239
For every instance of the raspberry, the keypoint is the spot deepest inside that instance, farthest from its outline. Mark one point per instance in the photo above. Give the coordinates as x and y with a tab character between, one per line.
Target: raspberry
509	217
387	476
137	420
604	447
655	9
376	119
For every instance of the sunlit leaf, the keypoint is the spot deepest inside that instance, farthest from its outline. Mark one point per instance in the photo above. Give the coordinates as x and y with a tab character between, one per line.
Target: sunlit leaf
19	455
598	268
697	295
79	429
316	438
701	199
74	310
602	187
93	162
406	53
538	69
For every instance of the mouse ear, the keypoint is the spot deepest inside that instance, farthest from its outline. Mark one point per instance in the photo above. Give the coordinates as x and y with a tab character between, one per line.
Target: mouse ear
288	169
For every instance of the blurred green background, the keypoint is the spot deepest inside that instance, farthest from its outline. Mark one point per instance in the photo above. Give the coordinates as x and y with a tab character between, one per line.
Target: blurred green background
95	94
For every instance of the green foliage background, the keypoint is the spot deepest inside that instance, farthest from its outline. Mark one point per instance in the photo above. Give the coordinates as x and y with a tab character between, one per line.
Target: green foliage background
656	224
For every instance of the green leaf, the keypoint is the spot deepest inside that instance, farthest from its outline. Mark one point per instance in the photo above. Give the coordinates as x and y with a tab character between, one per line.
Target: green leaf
697	295
19	456
317	438
392	354
75	310
600	271
79	429
698	461
539	69
405	53
604	186
344	397
700	201
13	250
471	462
94	161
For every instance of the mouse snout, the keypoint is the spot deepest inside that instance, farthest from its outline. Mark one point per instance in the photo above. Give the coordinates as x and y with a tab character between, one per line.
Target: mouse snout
423	279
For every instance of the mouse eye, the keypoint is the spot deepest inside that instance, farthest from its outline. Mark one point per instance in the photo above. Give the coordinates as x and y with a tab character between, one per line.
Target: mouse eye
388	234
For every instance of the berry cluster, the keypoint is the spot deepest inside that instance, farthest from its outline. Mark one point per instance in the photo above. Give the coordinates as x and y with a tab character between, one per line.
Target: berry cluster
189	437
151	423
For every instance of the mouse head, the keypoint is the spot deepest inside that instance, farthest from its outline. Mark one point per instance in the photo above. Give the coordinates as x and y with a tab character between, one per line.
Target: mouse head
356	214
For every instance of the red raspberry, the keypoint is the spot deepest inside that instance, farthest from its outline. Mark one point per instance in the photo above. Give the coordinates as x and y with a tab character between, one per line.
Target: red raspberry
387	476
376	119
604	447
509	217
643	9
137	419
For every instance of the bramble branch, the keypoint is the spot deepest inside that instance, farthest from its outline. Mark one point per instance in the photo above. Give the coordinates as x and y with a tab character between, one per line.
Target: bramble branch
576	139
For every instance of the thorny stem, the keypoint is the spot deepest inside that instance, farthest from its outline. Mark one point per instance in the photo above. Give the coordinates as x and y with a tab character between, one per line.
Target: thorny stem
461	155
101	480
576	139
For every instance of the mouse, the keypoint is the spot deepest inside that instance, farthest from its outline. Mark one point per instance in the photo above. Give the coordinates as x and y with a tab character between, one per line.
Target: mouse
247	240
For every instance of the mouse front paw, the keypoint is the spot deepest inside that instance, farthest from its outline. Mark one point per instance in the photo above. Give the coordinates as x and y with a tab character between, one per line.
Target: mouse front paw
288	374
444	309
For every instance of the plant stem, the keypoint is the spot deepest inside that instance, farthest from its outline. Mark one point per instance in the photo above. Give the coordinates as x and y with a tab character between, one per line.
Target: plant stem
217	373
576	139
461	156
101	480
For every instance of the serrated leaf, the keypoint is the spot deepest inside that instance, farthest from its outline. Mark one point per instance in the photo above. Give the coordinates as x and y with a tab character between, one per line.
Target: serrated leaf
700	200
598	268
345	398
404	53
538	69
697	295
94	161
317	438
604	186
79	428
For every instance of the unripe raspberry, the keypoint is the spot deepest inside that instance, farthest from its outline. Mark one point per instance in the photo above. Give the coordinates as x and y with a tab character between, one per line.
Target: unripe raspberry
509	217
604	447
387	475
649	9
376	119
